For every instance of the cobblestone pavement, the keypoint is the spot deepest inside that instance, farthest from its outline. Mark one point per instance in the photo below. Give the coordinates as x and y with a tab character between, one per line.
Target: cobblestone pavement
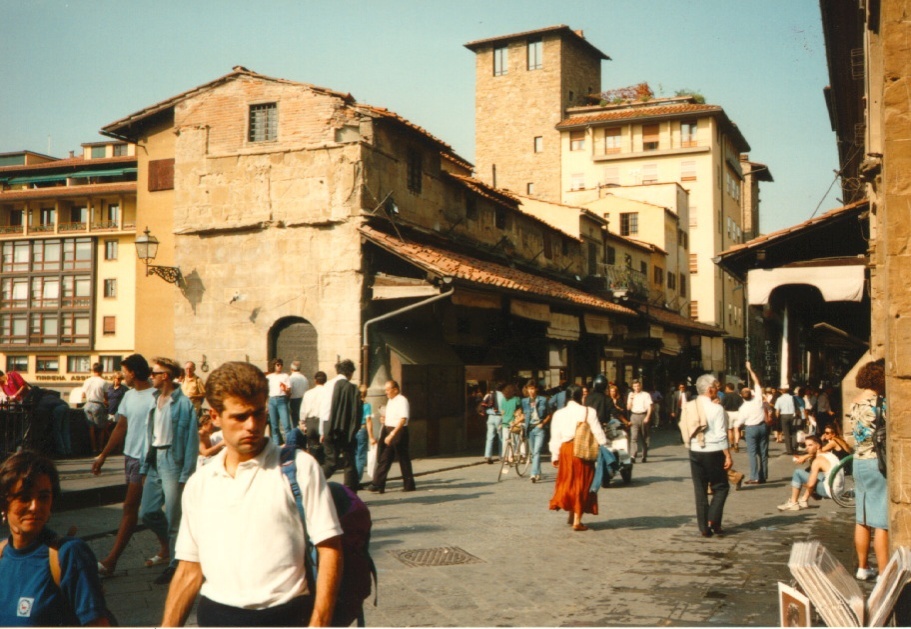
514	563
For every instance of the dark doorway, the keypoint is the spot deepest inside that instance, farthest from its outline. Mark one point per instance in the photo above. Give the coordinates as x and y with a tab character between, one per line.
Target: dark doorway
294	338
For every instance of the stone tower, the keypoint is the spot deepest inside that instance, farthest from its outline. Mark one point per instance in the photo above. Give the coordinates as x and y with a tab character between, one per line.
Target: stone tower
523	84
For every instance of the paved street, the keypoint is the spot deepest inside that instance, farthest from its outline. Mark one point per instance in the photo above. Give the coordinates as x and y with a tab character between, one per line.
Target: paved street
642	563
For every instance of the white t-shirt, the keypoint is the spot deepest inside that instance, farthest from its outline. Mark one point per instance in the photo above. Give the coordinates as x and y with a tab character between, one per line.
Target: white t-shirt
246	533
94	389
161	428
640	402
275	382
396	409
299	384
752	412
136	406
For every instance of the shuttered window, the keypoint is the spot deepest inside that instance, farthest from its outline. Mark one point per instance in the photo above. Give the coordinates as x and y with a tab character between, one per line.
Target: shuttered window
650	137
161	174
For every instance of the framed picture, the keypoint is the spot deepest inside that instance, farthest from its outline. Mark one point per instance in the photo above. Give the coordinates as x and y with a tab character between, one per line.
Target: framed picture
794	607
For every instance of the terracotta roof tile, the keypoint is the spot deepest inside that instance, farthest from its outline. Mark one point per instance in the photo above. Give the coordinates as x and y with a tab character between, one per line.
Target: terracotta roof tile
472	45
631	113
762	241
467	268
675	320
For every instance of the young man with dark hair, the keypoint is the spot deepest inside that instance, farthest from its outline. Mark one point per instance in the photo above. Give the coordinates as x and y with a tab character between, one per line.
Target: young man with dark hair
340	414
131	430
171	458
242	542
813	479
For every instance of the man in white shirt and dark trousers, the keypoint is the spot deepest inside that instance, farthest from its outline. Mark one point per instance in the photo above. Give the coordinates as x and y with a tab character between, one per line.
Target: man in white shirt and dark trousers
705	425
639	404
299	386
785	409
242	543
393	441
94	390
755	430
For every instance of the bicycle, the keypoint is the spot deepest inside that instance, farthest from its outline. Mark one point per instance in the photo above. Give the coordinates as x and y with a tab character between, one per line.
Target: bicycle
846	497
516	453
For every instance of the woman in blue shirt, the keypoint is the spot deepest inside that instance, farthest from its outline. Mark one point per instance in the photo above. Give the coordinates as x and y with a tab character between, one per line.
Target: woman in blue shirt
45	580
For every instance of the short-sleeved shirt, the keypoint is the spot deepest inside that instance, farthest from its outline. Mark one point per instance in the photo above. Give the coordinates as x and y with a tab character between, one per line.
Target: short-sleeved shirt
396	409
639	402
785	404
136	406
299	384
28	595
752	411
94	389
14	382
367	413
275	382
246	532
115	397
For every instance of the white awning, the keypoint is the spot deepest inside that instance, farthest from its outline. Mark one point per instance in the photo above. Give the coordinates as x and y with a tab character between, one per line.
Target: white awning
563	326
529	310
596	324
836	283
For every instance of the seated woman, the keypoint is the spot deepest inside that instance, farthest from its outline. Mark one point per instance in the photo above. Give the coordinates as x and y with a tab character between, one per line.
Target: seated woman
832	442
44	579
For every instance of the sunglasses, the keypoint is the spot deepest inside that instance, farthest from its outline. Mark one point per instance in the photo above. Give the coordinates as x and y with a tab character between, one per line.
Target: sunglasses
159	373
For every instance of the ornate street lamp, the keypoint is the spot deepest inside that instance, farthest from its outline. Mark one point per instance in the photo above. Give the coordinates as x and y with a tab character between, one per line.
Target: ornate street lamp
146	250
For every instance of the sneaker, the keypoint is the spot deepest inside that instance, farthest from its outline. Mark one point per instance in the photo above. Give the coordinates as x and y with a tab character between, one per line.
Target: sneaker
865	574
790	505
534	479
165	577
803	504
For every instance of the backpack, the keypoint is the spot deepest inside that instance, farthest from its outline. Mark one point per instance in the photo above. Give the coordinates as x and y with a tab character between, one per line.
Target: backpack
879	435
359	574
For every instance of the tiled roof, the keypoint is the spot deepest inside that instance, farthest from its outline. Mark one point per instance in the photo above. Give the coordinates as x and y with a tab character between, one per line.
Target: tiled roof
119	128
674	320
633	113
71	162
763	241
58	192
497	195
474	45
472	270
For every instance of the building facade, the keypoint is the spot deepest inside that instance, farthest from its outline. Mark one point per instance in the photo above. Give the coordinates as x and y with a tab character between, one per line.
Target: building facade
68	268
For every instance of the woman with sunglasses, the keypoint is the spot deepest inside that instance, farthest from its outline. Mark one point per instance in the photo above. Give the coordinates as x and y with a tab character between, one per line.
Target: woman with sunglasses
833	443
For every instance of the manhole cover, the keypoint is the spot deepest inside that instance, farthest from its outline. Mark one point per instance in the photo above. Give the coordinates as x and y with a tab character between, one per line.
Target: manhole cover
445	556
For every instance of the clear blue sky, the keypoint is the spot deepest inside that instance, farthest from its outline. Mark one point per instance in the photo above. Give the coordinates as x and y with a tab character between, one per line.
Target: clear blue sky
70	67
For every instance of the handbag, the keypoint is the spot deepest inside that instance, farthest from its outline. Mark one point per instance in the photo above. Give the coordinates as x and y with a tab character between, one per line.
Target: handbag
585	446
879	435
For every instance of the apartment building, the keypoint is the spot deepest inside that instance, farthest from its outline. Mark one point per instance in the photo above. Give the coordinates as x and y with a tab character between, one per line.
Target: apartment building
68	267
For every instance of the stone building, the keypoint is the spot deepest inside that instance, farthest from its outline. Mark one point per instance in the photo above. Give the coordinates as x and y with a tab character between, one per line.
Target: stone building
67	272
307	225
524	83
868	59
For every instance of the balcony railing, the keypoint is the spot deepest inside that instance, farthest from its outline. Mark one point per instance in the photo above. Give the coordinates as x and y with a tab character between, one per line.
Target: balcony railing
72	227
13	231
622	280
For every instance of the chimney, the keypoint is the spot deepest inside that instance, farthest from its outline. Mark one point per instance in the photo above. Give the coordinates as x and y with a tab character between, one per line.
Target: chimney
72	154
580	33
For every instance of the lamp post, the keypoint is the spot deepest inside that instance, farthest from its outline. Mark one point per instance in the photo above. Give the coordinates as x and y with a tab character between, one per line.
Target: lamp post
146	250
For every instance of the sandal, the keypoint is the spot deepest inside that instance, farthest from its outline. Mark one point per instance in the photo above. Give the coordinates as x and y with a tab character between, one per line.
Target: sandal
103	571
157	560
580	527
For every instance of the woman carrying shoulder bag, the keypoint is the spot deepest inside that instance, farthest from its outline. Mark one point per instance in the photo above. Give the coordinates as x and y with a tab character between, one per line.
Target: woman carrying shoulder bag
574	475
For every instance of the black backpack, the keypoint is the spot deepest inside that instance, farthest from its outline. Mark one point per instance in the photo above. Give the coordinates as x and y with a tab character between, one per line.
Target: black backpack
359	576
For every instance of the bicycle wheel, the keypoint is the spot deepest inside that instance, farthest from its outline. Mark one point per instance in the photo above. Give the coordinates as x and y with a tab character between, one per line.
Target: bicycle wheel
523	457
846	497
506	461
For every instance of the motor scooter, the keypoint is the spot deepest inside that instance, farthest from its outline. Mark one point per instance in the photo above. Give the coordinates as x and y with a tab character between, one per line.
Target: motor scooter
618	443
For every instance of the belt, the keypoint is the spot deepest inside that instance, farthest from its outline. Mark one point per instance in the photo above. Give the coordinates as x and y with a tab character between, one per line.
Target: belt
162	447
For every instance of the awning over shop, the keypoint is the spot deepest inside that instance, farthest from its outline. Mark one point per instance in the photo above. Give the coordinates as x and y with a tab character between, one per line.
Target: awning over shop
563	326
529	310
420	349
476	299
672	343
595	324
81	174
836	283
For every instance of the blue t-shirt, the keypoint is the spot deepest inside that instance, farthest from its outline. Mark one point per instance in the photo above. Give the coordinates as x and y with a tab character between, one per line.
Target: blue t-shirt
136	406
28	595
367	412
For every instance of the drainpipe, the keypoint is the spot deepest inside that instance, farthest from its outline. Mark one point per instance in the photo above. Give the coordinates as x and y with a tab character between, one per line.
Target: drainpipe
365	348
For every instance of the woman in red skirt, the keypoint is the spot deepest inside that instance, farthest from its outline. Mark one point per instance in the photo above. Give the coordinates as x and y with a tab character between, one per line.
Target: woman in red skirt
574	476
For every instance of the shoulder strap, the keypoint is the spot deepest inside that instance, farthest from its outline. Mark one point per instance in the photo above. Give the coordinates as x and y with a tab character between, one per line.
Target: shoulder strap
878	410
288	466
53	556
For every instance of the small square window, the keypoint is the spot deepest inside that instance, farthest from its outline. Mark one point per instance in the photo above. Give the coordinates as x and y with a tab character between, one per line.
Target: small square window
98	152
535	53
47	364
109	364
110	288
121	150
263	123
109	325
500	61
110	249
78	364
415	170
539	144
17	363
577	140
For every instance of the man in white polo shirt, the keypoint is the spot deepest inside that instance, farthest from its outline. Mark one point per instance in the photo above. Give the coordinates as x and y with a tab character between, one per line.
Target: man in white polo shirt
242	542
639	405
393	441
